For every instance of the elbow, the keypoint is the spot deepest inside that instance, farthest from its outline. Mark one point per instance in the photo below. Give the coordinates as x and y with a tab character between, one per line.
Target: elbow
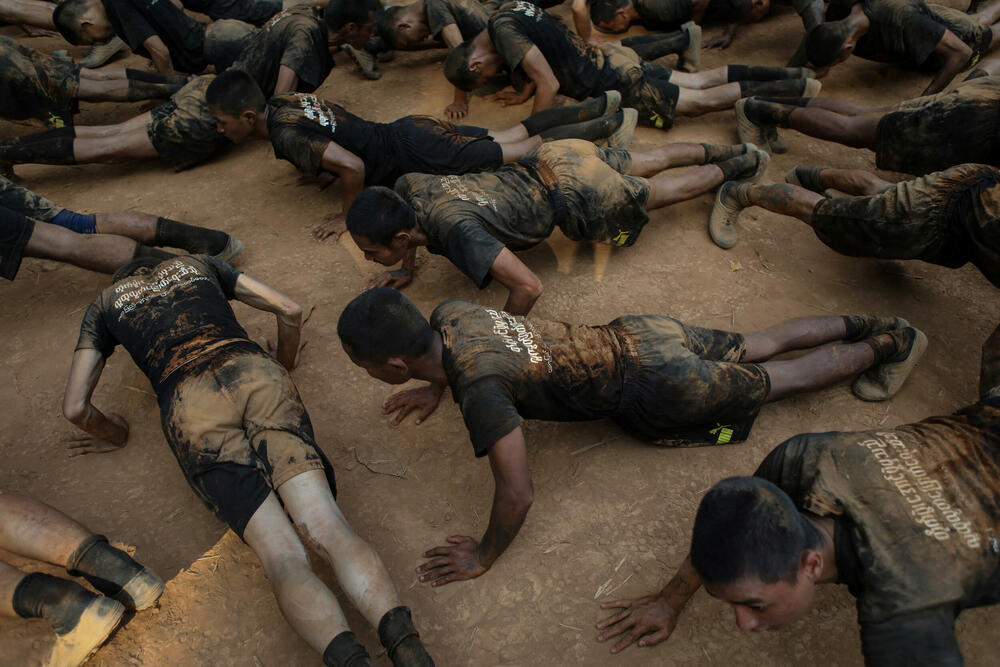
74	410
533	289
519	498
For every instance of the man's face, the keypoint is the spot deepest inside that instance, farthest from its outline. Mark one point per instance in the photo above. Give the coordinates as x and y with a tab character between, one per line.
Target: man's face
385	372
380	254
352	33
234	128
486	67
619	23
759	10
408	34
759	606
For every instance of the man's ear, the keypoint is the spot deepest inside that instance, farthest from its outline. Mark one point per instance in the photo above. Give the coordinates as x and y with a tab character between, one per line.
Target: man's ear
621	12
811	565
249	115
398	366
759	4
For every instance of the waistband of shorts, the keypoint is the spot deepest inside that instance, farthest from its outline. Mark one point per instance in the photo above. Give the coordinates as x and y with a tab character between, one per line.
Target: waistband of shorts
543	173
206	352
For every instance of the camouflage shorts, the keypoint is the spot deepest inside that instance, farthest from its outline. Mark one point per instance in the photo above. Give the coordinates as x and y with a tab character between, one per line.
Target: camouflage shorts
183	131
644	86
36	85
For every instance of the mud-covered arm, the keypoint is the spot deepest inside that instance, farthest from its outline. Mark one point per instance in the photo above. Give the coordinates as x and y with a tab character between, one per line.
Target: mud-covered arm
159	54
288	313
540	72
84	374
349	167
525	287
955	55
288	80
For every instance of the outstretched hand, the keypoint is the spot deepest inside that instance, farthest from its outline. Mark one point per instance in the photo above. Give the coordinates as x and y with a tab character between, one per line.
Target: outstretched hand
84	443
333	224
721	41
396	279
649	619
423	399
456	111
508	98
453	563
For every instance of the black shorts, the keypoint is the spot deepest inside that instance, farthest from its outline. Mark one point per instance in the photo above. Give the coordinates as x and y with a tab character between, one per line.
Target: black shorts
644	86
685	385
426	145
15	230
252	11
21	200
238	429
918	219
183	131
36	85
935	132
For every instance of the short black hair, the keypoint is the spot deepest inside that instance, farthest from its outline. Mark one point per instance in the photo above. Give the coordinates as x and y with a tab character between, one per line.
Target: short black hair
67	17
233	92
341	12
386	26
825	41
748	527
382	323
456	67
603	11
378	213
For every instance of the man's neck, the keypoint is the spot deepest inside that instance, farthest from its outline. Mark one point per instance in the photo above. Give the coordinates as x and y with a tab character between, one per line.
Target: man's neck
826	527
429	366
417	237
482	44
260	125
859	22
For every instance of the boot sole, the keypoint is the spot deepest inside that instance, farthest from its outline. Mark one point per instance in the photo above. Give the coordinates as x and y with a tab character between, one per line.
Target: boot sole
96	624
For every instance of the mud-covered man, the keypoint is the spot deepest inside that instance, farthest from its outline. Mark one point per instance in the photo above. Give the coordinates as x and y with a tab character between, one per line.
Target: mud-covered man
615	16
544	58
948	218
939	39
907	518
322	139
242	437
660	379
590	193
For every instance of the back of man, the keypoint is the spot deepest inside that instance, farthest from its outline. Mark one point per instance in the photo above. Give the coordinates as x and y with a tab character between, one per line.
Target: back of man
295	38
469	16
135	21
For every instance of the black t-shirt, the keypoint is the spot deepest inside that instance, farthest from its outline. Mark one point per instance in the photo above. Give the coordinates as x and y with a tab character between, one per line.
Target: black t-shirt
471	218
580	68
301	126
165	318
470	17
295	38
135	21
503	369
663	14
918	522
901	30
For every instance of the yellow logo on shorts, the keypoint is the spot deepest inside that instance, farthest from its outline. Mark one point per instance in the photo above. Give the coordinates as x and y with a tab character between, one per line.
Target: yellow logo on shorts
724	433
621	238
56	121
657	121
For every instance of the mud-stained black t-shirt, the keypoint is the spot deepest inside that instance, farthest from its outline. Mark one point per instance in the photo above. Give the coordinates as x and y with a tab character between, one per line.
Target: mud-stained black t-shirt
469	219
296	38
663	14
167	317
503	369
135	21
918	522
470	17
301	126
580	68
901	30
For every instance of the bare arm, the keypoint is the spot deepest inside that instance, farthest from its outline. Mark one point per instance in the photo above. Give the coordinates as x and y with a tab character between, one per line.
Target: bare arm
288	313
955	55
546	85
159	54
650	619
351	172
288	81
512	498
581	19
84	374
451	36
524	285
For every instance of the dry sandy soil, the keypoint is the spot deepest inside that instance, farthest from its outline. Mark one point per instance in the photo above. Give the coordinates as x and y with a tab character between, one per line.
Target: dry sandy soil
610	513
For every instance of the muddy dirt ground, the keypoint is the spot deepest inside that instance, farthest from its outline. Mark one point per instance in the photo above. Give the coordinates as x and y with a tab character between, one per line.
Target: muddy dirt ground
610	513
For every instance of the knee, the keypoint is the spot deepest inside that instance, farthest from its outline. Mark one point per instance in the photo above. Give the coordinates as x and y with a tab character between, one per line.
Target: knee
327	534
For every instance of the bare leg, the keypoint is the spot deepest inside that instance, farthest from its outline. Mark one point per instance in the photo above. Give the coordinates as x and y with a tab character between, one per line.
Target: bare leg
784	198
709	78
510	135
90	131
30	12
10	577
818	369
667	189
852	181
359	569
96	252
123	90
124	147
32	529
134	225
988	14
307	604
853	131
517	150
840	106
647	163
799	333
696	102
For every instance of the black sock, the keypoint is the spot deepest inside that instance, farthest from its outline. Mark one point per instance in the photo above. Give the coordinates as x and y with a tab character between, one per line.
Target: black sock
783	87
860	327
151	77
142	90
106	568
58	601
566	115
714	153
738	167
401	640
750	73
590	130
768	113
345	650
652	49
50	147
194	239
892	345
145	251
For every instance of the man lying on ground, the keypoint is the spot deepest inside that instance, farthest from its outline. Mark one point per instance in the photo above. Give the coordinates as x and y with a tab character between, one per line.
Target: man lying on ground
948	218
81	620
916	137
906	517
32	226
541	55
615	16
34	85
591	193
660	379
242	437
939	39
321	138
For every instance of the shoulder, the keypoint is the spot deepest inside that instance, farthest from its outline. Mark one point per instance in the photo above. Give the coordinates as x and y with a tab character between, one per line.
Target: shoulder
449	312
